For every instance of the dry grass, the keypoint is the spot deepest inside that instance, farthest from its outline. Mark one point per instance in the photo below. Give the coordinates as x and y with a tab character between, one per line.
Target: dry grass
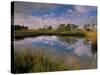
92	36
26	62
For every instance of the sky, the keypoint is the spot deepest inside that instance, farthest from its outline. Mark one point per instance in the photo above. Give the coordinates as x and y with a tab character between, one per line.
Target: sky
37	15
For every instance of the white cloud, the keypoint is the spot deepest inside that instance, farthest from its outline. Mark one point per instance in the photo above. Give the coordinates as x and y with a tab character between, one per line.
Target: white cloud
82	51
84	9
49	15
23	15
29	7
36	22
69	10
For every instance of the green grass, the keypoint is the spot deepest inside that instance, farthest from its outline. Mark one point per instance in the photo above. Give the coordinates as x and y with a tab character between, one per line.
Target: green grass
37	61
28	33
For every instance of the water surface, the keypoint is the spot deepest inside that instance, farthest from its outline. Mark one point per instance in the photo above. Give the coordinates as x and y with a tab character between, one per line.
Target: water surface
76	51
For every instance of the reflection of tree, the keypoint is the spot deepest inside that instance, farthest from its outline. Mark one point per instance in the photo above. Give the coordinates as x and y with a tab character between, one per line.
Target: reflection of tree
93	45
86	42
94	48
68	40
94	52
20	38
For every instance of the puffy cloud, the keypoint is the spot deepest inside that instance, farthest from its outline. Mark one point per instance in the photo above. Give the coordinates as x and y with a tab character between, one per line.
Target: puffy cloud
36	15
84	9
31	7
49	15
36	22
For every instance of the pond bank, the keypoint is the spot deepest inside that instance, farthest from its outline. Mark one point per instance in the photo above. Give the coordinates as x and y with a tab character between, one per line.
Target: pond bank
22	34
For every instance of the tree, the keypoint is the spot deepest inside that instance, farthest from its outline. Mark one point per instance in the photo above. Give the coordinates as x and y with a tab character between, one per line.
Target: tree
74	27
49	28
18	27
61	27
87	27
94	24
68	27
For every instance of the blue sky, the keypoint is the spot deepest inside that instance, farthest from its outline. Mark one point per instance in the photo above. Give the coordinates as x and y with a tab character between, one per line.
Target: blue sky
36	15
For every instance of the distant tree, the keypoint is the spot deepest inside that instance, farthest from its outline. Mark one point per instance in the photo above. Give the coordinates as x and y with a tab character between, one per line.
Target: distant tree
94	27
94	24
87	27
68	27
43	28
74	27
18	27
61	27
49	28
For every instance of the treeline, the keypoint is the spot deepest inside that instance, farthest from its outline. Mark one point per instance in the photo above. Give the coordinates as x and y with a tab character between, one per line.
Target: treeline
61	27
19	27
46	28
70	27
67	27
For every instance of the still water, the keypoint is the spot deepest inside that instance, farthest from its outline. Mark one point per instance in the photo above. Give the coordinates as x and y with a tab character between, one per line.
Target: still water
76	51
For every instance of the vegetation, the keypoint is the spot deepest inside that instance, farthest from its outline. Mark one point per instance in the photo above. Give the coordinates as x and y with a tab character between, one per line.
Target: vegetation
62	29
92	36
26	33
68	27
18	27
89	31
37	61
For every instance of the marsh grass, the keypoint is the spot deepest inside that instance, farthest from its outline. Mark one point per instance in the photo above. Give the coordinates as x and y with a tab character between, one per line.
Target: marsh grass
38	61
92	36
28	33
